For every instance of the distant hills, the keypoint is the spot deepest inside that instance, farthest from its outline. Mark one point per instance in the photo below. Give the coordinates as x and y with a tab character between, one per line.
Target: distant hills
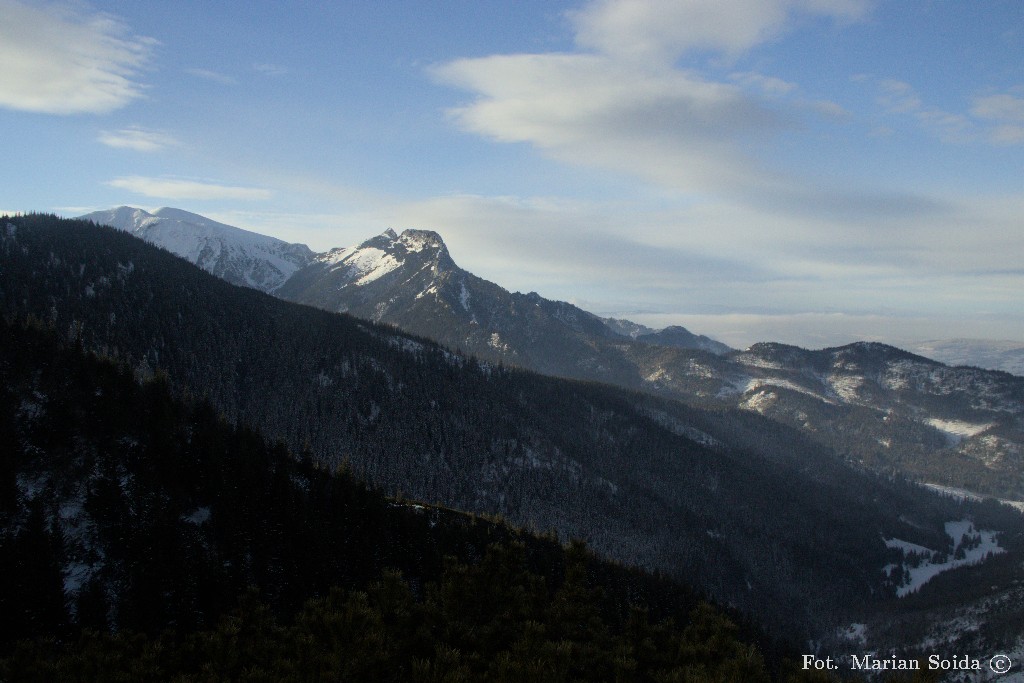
1007	356
878	406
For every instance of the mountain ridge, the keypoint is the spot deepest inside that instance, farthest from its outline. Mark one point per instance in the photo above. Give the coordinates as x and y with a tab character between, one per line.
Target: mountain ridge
881	406
239	256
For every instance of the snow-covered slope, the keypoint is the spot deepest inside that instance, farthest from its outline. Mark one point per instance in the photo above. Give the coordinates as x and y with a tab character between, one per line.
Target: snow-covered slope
238	256
955	426
375	258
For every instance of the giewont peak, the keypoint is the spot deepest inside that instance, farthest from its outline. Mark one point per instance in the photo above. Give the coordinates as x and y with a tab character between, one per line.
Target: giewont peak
418	240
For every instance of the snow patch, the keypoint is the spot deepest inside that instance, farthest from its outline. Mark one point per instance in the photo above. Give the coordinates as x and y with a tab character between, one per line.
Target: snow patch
958	430
845	386
336	255
757	383
199	516
432	289
970	546
495	342
657	375
855	633
754	361
760	401
405	344
372	263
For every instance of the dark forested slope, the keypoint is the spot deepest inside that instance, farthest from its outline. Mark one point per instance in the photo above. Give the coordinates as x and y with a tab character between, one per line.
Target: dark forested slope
143	538
746	509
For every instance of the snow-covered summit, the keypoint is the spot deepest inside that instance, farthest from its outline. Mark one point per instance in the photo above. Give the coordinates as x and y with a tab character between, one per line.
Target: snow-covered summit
267	263
236	255
385	253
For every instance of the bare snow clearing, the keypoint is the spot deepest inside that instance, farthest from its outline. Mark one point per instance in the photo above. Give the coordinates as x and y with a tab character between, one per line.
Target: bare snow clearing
921	564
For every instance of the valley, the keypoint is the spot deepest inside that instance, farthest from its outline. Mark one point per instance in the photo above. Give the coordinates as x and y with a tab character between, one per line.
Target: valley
749	511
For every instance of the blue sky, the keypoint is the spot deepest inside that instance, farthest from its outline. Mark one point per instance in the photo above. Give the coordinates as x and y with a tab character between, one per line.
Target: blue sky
807	171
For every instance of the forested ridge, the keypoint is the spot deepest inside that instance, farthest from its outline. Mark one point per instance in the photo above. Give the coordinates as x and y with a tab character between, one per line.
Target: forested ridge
147	538
745	510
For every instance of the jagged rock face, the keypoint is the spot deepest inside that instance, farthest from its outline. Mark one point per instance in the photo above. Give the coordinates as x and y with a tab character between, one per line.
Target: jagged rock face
410	280
354	278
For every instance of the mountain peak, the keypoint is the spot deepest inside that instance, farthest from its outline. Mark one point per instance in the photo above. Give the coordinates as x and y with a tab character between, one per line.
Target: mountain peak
411	241
181	215
126	218
239	256
418	240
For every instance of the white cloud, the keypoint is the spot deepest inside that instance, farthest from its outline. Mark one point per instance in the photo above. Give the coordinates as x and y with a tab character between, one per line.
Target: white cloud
666	125
138	139
622	103
57	61
170	188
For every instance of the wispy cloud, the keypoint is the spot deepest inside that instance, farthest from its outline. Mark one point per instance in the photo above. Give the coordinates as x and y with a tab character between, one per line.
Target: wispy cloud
996	118
172	188
767	84
899	97
138	139
1005	111
60	61
270	69
214	76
